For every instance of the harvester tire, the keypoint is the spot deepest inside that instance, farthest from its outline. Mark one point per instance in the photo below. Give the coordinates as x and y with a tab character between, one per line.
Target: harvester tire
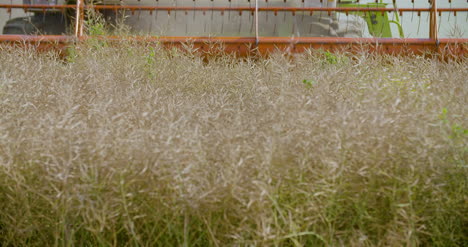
20	25
41	24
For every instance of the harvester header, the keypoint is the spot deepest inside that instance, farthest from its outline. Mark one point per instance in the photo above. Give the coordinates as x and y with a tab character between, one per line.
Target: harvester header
244	26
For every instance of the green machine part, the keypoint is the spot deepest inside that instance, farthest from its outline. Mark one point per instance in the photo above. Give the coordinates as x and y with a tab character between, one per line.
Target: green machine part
378	23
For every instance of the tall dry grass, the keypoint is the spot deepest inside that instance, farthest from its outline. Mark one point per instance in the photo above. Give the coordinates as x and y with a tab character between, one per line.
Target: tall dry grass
140	146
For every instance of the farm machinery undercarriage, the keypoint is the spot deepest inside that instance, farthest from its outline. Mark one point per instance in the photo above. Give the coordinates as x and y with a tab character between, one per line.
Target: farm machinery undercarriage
246	26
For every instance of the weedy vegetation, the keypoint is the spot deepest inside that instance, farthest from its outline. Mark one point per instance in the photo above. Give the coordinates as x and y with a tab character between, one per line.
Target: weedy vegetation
133	145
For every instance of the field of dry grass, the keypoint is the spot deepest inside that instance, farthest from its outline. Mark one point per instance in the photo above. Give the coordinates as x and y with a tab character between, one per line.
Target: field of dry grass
139	146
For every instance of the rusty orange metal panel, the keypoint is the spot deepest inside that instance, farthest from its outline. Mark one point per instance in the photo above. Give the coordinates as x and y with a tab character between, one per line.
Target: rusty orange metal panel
44	43
244	46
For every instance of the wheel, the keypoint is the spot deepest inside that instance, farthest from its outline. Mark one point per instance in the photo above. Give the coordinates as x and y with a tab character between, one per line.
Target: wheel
20	25
45	24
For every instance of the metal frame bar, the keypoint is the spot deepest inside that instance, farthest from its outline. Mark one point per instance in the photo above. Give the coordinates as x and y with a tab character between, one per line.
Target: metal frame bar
251	9
244	46
433	32
79	25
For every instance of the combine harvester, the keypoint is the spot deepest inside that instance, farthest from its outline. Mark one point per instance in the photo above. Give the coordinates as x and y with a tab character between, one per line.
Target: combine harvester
246	26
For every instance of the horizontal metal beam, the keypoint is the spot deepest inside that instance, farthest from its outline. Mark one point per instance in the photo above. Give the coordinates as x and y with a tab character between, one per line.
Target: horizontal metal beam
244	46
336	40
222	9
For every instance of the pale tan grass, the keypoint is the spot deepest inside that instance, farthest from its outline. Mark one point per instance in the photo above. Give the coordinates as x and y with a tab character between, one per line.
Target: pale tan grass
143	146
